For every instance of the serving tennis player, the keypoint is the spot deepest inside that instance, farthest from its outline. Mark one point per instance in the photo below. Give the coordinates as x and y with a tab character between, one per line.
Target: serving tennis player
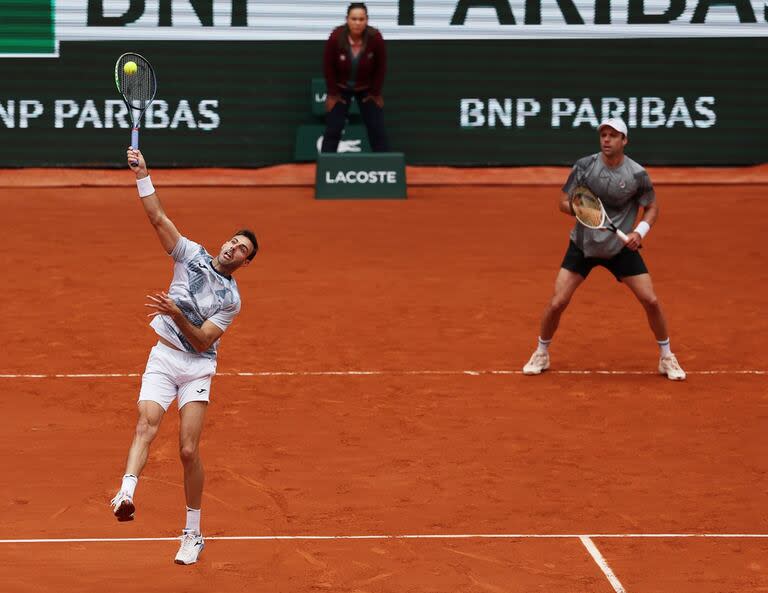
624	188
189	320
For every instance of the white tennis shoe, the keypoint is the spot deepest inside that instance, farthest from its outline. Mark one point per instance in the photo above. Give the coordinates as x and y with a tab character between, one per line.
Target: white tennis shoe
123	507
539	362
191	546
669	366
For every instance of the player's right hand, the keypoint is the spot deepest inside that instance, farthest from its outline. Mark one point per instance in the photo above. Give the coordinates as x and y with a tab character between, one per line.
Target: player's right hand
635	239
136	161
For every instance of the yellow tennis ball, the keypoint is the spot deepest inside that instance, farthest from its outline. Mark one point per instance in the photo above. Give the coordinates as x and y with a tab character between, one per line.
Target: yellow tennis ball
130	68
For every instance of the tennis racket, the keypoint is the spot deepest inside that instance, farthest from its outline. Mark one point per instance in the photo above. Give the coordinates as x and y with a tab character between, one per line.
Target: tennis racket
590	212
137	86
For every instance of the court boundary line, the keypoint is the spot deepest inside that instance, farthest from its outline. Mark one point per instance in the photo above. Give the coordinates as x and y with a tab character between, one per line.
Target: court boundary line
380	373
425	536
603	564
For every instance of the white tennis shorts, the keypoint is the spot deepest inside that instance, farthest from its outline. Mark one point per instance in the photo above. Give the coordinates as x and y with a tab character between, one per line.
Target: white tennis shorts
171	373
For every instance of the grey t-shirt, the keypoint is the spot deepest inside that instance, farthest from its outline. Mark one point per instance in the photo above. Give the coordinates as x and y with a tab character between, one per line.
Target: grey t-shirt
201	293
622	190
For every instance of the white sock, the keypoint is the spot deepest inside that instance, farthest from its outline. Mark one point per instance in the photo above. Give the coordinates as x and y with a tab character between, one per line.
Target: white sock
664	349
543	345
193	521
129	484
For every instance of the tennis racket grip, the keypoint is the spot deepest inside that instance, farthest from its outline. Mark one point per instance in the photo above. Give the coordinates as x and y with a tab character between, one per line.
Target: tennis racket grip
622	235
135	142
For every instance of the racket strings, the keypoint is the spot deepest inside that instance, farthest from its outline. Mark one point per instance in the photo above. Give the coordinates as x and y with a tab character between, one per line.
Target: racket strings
138	88
587	208
588	215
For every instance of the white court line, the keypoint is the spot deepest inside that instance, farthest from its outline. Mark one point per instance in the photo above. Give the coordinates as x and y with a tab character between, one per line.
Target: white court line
371	373
394	537
603	564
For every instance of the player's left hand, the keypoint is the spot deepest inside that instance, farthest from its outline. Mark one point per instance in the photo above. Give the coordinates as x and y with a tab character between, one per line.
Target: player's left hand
378	99
163	305
634	242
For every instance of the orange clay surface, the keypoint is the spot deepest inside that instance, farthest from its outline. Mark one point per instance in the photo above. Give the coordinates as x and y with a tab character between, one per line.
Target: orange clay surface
453	279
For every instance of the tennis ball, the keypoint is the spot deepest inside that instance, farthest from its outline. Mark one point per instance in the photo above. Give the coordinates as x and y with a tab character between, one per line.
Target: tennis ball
130	68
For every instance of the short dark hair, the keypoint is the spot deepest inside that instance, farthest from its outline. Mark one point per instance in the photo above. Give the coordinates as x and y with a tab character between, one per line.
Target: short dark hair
251	236
354	5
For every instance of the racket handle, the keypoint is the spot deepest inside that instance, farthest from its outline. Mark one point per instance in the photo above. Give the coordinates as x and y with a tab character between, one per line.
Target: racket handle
135	142
622	235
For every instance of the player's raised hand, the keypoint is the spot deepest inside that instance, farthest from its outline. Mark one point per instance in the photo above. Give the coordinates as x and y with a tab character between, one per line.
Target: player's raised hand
136	162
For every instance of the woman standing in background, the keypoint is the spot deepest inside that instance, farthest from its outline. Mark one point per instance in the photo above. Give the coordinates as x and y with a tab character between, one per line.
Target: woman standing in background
355	63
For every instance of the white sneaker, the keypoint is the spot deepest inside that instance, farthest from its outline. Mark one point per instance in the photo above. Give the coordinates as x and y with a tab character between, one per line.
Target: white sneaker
123	507
539	362
191	546
669	366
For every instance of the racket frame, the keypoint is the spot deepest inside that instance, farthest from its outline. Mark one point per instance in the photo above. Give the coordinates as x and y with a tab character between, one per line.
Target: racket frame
605	220
135	121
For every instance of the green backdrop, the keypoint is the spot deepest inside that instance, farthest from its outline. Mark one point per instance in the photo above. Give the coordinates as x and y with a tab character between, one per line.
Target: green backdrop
705	101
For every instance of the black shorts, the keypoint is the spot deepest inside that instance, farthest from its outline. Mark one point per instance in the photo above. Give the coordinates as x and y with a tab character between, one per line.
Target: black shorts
625	263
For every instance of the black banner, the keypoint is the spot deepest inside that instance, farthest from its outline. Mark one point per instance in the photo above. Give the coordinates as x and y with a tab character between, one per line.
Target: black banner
454	102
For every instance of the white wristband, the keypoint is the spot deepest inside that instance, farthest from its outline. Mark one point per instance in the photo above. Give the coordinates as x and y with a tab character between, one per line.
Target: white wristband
642	228
145	186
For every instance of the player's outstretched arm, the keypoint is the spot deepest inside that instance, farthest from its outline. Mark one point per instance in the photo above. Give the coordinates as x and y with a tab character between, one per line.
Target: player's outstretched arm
164	227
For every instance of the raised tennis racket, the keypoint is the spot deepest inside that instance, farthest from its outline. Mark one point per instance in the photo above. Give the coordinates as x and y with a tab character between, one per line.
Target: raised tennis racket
590	212
135	80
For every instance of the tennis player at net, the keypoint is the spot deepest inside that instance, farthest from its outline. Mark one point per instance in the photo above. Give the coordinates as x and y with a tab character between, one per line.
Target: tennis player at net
624	188
189	320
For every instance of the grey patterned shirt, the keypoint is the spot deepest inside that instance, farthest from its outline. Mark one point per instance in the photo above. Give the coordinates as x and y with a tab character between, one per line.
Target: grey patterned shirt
622	190
201	293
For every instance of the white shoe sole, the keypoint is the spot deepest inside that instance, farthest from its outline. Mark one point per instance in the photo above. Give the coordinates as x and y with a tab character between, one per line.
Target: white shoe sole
535	371
672	378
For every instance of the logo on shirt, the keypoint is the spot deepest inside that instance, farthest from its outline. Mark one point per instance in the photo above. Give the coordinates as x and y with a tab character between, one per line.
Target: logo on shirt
201	390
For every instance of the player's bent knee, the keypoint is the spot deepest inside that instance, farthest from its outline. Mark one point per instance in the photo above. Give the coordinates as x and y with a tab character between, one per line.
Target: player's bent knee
558	305
188	454
650	302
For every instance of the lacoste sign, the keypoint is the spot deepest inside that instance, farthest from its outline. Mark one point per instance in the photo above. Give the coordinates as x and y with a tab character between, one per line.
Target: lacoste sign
360	175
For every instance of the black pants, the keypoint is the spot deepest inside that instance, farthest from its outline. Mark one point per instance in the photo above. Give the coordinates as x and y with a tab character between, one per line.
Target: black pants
373	118
625	263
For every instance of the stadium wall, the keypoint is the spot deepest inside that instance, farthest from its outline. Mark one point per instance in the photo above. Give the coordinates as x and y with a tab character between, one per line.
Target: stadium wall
481	92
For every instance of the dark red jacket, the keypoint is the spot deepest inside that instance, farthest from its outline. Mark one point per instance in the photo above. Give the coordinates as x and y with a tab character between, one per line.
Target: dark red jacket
370	70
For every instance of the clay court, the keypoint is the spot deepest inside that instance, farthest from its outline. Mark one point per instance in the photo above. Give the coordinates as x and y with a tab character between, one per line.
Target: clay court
370	429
